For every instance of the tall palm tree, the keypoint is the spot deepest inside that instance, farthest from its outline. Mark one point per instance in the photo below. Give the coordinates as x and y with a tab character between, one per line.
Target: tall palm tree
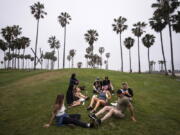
88	51
148	40
72	53
138	30
165	9
3	47
119	26
64	19
91	36
158	24
37	9
54	44
129	42
107	56
101	51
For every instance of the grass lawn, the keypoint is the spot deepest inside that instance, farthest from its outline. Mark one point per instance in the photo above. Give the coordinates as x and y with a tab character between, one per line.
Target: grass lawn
26	100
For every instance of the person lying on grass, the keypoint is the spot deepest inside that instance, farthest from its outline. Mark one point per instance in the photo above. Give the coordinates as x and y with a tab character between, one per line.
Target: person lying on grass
97	85
102	99
107	85
62	118
118	111
79	97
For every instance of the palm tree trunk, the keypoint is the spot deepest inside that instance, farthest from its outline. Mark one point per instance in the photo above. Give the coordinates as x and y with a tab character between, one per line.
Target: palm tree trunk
58	58
15	58
164	58
149	60
72	62
18	57
36	44
23	58
9	59
130	70
4	60
121	51
139	60
64	46
171	46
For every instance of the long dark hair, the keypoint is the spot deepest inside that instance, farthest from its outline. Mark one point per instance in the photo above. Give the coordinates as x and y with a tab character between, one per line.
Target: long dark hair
73	76
59	100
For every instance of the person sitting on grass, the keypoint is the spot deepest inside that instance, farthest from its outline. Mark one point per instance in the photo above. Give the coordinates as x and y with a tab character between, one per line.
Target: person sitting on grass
62	118
79	97
128	92
118	111
100	99
107	85
97	85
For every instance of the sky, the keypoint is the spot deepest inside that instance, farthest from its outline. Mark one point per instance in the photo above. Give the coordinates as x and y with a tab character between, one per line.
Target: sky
90	14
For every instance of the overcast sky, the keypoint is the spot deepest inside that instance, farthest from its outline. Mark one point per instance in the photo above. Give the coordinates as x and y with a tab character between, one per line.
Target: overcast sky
90	14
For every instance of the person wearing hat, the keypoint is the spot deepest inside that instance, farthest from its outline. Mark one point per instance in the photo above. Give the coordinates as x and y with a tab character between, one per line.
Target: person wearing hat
97	85
122	104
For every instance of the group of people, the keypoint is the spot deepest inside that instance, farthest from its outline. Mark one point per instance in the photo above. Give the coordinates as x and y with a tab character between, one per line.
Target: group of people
103	91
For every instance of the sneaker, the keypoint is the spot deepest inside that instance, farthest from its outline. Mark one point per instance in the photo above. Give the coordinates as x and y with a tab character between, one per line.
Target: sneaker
92	116
89	108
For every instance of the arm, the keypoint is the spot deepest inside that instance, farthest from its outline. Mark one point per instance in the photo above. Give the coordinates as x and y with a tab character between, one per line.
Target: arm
52	117
109	95
131	109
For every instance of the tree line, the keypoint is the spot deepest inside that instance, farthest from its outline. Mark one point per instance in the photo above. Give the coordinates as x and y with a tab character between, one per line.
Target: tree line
165	15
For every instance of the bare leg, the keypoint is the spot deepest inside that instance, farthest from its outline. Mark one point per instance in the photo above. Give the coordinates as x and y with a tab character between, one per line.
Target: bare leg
98	103
76	103
108	115
106	108
92	101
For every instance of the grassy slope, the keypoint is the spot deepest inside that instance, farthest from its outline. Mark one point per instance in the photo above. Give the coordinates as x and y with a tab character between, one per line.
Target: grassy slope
26	99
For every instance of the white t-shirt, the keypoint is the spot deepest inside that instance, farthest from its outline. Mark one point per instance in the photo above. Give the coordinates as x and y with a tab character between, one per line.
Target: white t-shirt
61	111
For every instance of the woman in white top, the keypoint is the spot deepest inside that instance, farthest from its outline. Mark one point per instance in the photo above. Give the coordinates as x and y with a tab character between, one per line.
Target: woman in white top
62	118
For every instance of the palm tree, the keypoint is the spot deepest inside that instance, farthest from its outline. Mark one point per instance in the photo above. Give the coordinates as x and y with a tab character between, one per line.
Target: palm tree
3	47
138	31
101	51
37	9
119	26
129	42
88	51
148	40
64	19
24	44
72	53
10	33
158	24
79	64
161	63
107	56
91	36
176	22
54	44
165	9
69	59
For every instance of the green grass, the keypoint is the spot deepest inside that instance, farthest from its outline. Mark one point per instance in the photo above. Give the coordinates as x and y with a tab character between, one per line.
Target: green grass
26	100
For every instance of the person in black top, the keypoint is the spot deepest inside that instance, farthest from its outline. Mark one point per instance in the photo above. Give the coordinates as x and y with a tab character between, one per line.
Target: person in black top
97	85
72	84
128	92
107	85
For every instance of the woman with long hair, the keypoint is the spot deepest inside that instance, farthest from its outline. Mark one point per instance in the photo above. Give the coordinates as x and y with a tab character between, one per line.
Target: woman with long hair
101	99
72	84
62	118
